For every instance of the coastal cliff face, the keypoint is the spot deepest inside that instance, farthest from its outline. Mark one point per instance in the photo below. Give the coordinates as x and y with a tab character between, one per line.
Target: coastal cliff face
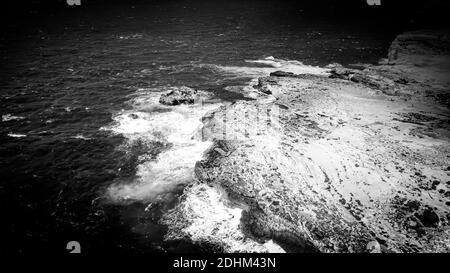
410	45
356	160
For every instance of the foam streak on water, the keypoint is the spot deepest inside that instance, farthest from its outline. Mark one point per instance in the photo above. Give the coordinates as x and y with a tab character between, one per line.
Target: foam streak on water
176	126
211	219
271	64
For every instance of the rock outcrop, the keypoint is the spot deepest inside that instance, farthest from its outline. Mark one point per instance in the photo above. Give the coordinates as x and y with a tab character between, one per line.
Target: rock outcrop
410	45
368	78
180	95
331	164
417	61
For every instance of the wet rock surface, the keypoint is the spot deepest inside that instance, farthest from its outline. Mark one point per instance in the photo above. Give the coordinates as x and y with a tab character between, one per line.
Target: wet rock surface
419	43
328	164
181	95
282	74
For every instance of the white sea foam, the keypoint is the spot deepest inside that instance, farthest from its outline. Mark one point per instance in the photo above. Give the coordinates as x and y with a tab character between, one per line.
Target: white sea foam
132	36
9	117
177	125
271	65
212	220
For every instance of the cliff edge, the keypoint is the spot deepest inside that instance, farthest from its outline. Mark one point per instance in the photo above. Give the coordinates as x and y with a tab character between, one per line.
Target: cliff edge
357	160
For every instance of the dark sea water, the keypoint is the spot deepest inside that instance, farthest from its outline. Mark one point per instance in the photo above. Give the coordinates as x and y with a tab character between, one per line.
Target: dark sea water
70	80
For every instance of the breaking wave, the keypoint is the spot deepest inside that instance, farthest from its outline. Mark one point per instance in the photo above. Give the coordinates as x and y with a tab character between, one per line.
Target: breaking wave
175	127
263	67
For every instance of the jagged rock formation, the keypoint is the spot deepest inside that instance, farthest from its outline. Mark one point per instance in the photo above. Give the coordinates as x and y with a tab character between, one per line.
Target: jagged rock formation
329	164
281	74
418	62
410	45
181	95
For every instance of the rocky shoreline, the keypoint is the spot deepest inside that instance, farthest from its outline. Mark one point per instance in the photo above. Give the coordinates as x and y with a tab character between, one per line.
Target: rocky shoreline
357	160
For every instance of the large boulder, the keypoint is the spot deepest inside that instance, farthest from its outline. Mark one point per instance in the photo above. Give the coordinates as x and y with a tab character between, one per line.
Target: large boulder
341	73
180	95
279	73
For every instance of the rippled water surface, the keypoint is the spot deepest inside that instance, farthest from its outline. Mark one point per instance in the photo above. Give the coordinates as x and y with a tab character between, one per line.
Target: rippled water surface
86	152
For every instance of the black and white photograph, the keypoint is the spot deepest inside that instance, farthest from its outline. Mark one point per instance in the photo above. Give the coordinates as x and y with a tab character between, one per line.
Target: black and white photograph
225	127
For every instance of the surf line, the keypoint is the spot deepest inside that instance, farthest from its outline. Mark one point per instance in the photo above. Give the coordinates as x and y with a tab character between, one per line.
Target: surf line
190	263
